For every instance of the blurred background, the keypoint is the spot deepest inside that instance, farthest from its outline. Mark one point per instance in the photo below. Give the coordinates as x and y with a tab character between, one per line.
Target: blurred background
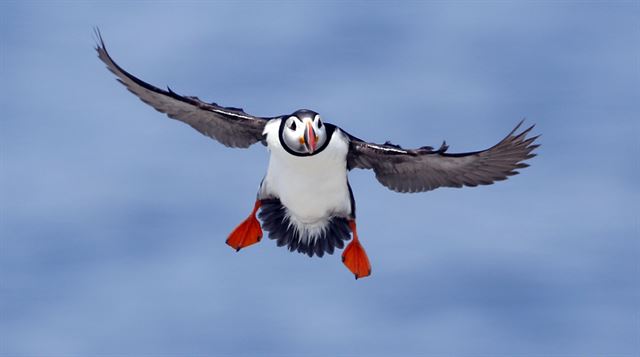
113	218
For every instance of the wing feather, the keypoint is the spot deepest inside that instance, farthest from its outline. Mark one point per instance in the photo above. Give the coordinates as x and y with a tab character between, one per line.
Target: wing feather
425	169
230	126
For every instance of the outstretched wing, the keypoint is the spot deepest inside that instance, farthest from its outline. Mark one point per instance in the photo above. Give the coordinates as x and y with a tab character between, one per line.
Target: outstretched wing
425	169
230	126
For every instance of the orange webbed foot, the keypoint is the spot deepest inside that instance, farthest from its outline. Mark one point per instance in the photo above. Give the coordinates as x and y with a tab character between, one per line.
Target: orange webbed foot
354	256
246	233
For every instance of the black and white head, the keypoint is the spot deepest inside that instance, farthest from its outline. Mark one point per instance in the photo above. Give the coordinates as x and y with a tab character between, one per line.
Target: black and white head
303	133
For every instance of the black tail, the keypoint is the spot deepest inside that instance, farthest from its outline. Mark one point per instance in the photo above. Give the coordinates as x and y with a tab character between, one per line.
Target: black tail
275	221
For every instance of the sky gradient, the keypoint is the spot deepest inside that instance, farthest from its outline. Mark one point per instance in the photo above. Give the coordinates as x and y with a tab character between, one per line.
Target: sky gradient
113	217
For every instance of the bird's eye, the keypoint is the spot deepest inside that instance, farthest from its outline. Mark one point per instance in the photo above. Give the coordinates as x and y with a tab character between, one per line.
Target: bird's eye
292	126
319	123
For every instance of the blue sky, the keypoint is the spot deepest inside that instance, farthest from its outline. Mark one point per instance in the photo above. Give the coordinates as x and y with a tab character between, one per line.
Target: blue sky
113	217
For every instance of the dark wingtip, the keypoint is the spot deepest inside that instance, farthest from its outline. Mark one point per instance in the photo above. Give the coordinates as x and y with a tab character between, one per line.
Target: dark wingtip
98	38
524	133
534	138
516	128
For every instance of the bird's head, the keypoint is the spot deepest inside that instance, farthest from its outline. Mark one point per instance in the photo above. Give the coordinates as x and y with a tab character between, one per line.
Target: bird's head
303	132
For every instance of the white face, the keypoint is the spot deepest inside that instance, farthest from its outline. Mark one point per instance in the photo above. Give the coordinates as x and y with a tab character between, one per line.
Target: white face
304	135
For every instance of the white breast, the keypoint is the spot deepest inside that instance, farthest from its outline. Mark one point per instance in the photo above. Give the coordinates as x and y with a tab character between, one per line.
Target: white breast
312	188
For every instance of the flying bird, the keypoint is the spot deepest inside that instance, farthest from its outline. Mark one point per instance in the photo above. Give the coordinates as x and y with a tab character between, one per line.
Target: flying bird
305	201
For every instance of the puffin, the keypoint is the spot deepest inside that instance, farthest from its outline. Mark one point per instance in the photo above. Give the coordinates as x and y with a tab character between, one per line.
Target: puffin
304	200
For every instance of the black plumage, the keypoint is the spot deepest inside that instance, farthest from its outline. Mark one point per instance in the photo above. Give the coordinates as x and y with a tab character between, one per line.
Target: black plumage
276	221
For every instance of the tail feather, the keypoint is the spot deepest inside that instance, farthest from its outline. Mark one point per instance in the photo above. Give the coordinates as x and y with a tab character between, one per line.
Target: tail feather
277	222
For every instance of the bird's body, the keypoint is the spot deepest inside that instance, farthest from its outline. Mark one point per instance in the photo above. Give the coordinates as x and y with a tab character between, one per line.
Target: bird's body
298	181
305	201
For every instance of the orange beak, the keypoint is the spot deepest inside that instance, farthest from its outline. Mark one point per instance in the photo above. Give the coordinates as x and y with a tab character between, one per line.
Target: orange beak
310	138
